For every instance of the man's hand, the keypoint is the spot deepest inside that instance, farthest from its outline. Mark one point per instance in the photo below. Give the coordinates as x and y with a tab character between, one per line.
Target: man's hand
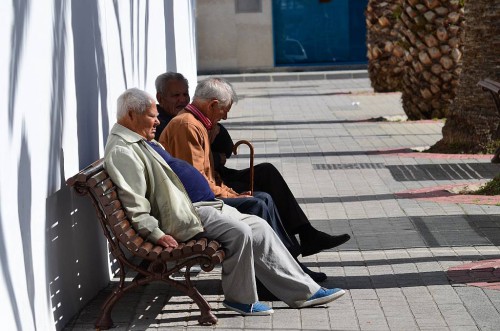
246	194
167	241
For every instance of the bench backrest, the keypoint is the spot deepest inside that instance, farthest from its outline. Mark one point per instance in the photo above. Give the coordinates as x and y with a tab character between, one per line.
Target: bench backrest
94	181
493	87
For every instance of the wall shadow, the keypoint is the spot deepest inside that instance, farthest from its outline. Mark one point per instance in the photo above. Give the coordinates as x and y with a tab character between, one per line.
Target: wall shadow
17	36
318	153
78	262
280	95
252	125
146	43
384	233
349	198
120	37
7	275
55	174
168	14
90	80
398	280
386	262
24	193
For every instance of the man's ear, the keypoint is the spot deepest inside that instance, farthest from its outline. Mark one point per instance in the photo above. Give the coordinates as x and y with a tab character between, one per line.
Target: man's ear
158	97
213	104
131	115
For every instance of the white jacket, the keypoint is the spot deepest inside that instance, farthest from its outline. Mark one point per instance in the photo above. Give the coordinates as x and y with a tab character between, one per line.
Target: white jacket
153	196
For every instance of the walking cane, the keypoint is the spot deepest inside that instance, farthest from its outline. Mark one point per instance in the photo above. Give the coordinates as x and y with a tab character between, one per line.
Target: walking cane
235	152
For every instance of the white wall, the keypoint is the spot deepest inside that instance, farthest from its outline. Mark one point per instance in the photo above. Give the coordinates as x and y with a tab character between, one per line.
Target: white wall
64	63
233	42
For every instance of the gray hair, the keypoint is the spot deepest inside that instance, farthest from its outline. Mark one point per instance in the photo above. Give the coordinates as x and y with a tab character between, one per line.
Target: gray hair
135	100
162	80
215	88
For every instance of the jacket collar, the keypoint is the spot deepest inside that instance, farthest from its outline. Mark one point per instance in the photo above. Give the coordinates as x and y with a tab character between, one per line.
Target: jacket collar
131	137
126	134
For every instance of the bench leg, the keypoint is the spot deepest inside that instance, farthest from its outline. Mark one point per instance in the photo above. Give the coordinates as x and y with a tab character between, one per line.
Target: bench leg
207	317
104	321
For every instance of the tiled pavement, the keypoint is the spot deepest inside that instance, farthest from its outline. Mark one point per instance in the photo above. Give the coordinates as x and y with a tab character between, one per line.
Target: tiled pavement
357	175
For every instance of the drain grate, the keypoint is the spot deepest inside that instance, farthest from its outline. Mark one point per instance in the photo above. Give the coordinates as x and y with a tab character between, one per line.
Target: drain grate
466	171
344	166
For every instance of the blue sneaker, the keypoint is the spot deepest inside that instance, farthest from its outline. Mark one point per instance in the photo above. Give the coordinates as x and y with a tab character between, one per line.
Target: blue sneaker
255	309
323	296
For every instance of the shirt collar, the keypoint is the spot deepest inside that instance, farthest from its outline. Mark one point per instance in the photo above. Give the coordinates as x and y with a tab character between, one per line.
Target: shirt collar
200	116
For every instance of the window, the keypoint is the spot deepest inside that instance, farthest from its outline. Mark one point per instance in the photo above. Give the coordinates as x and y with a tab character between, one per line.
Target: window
248	6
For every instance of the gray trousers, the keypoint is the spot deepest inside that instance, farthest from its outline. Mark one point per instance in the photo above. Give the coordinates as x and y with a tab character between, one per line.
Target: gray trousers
253	249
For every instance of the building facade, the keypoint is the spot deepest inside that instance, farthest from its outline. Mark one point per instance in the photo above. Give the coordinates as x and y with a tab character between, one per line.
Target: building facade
272	35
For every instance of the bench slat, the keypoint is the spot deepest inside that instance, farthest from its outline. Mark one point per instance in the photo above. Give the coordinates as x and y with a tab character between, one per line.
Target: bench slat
218	257
155	252
188	247
81	177
177	252
134	242
493	87
212	247
112	206
200	245
104	187
145	248
109	196
97	178
490	85
122	227
166	254
116	217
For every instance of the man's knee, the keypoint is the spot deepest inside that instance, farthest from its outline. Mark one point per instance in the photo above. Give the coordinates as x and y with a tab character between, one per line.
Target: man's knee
264	196
241	232
267	170
259	207
267	167
260	226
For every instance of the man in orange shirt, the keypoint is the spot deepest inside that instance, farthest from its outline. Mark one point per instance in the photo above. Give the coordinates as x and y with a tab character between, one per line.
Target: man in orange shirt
187	137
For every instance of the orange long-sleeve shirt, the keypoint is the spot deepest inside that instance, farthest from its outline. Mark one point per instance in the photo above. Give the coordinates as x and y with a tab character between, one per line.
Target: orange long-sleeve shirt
186	138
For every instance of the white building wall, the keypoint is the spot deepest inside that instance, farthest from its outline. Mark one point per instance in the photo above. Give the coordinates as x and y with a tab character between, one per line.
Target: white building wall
230	42
64	63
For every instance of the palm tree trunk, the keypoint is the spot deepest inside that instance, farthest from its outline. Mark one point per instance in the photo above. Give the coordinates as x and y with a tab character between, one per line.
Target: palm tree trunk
473	123
385	54
432	33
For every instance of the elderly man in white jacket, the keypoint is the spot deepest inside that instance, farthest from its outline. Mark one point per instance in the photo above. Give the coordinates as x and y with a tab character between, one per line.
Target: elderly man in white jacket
168	200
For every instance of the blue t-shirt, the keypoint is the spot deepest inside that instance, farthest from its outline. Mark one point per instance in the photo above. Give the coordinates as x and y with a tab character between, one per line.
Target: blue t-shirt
195	184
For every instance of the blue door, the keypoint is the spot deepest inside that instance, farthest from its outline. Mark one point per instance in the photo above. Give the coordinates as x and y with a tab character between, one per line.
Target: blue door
319	32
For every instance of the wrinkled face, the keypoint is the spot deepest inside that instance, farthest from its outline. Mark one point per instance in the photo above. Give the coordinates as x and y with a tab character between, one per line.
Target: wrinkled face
145	124
218	111
174	97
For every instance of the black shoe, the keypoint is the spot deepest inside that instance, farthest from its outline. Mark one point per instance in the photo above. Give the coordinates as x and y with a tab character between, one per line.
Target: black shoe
321	241
316	276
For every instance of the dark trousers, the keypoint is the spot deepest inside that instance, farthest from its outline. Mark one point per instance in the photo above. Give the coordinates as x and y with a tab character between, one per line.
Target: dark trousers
262	205
268	179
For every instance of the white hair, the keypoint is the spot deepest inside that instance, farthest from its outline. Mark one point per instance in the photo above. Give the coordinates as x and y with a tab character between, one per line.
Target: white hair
216	88
134	100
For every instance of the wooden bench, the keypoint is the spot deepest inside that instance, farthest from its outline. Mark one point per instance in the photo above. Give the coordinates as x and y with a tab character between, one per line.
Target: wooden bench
155	262
494	89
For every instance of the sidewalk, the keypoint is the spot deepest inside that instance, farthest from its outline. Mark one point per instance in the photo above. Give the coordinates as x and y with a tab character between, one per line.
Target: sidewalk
354	174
